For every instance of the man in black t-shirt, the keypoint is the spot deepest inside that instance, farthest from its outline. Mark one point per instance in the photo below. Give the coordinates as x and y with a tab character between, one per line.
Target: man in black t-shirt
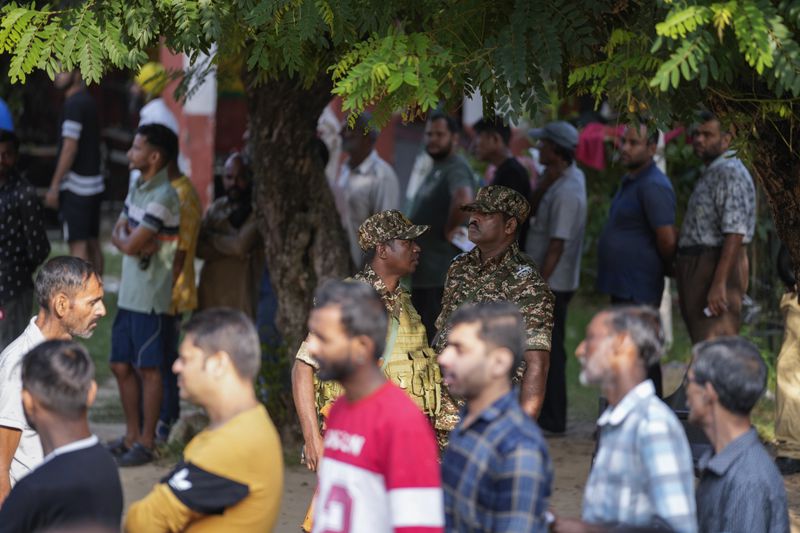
491	146
78	482
77	185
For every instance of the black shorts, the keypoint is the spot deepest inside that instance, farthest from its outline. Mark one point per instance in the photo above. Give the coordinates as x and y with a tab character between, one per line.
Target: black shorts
80	215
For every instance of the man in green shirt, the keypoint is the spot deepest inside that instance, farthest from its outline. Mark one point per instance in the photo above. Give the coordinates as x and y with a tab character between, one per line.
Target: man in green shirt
147	233
437	203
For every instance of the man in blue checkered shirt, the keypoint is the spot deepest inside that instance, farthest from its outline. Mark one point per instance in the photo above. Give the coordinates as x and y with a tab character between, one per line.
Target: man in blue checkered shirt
642	475
496	471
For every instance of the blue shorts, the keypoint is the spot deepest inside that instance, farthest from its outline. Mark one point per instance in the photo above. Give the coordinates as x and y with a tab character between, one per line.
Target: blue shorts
139	338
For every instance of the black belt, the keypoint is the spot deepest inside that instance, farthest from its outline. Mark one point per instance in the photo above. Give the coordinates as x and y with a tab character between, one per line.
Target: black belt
697	249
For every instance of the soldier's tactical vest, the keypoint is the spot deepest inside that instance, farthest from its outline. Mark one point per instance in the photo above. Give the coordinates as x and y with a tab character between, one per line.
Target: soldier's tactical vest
407	361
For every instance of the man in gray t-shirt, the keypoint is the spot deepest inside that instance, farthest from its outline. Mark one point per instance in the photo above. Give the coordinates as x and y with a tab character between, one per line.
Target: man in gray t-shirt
555	242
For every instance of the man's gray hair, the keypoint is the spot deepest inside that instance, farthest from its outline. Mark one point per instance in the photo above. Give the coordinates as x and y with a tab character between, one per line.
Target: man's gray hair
642	324
735	369
62	274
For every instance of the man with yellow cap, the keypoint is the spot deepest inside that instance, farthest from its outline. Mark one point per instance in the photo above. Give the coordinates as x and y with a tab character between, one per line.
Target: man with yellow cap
390	253
497	270
148	85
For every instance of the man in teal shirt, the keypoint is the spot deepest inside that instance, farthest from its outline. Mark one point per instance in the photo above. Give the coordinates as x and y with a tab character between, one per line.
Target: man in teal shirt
147	233
437	203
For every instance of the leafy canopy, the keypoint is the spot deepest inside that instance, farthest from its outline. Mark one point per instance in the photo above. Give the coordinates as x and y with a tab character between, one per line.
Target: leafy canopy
410	55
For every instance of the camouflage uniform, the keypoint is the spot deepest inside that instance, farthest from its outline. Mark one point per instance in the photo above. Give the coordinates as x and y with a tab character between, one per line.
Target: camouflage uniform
511	276
411	364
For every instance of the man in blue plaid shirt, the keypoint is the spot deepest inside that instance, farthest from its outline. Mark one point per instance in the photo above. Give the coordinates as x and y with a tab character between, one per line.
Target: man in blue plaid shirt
496	471
642	475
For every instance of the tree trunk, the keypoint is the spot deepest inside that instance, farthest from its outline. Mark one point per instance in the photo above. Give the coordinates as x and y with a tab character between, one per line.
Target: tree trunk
778	169
303	236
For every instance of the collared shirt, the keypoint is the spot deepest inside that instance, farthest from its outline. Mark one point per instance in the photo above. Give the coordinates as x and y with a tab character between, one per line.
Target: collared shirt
431	206
361	192
496	472
561	215
29	451
78	483
642	474
741	490
25	245
628	263
511	276
184	293
723	201
153	204
81	444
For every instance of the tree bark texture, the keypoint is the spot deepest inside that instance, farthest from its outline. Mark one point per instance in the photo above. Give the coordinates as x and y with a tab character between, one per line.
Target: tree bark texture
304	240
778	170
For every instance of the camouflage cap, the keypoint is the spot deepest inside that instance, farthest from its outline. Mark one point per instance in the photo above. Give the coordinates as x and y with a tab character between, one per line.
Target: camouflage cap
385	226
499	199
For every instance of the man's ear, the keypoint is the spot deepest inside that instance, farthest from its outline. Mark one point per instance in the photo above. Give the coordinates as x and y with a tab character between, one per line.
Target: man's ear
365	348
501	362
92	394
511	226
60	304
28	403
710	392
380	250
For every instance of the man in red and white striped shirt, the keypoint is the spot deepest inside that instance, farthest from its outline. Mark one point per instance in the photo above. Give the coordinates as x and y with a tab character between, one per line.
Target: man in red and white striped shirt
379	471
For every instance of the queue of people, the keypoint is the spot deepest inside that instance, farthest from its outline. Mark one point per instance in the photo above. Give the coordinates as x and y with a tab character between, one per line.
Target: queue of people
421	407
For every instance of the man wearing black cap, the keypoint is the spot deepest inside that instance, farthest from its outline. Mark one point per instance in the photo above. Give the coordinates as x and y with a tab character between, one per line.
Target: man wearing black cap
497	270
555	242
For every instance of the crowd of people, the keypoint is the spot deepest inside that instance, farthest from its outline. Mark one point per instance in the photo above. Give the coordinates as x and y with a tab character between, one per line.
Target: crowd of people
427	381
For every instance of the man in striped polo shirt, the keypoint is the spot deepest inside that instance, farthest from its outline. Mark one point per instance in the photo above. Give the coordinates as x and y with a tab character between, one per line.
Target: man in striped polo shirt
147	233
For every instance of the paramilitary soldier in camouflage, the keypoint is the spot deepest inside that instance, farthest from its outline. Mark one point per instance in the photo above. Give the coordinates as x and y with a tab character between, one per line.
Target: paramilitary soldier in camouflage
495	270
387	239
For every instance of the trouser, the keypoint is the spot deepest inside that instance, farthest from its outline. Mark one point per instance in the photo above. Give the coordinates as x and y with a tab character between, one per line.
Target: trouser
694	272
14	317
654	372
553	416
428	303
787	406
171	401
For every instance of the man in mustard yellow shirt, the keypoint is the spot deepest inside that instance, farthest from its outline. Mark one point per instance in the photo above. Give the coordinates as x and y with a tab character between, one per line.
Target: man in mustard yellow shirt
184	293
231	475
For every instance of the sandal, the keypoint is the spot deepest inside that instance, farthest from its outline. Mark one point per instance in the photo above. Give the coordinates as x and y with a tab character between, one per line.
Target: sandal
137	455
117	447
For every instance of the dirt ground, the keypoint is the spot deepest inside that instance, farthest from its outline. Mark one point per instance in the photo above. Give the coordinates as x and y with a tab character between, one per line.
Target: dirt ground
570	453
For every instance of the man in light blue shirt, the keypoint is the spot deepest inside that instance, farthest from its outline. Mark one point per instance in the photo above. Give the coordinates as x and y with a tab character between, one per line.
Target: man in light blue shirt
642	475
147	233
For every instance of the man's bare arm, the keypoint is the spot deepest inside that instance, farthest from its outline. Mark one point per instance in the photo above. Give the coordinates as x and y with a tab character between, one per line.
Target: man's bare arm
134	242
66	157
534	381
305	404
717	294
554	250
177	265
9	440
666	243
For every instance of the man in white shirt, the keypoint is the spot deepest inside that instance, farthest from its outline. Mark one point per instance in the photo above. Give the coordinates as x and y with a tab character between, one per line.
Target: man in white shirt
70	296
148	85
366	184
